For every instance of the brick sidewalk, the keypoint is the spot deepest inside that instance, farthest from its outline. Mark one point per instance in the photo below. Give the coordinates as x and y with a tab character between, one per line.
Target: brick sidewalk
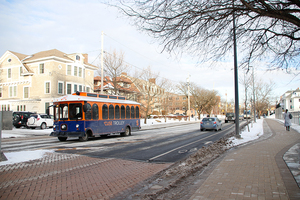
255	171
65	176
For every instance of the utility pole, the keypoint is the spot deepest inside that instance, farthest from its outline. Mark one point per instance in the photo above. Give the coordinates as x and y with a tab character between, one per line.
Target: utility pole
253	94
189	107
102	62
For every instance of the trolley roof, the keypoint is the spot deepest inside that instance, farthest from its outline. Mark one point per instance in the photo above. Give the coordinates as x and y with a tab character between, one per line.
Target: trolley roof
84	96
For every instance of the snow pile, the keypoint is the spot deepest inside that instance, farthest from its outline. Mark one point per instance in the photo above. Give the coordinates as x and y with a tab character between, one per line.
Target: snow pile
255	132
23	156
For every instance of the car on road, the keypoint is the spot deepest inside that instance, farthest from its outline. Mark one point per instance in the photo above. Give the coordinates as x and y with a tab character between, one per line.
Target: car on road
40	120
211	123
20	118
229	117
241	117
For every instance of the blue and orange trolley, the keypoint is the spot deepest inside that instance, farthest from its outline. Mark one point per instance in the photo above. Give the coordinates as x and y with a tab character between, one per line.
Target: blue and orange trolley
87	115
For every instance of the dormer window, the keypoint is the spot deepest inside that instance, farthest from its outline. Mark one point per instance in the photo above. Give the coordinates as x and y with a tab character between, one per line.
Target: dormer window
77	57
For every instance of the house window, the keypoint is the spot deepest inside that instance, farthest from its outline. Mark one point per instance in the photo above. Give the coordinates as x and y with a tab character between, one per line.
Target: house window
79	71
12	91
75	88
21	70
9	73
77	57
47	104
47	87
69	70
60	87
75	70
26	92
0	92
69	88
9	60
41	68
80	88
88	89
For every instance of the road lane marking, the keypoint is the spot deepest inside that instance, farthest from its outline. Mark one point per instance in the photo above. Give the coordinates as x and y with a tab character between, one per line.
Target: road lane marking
149	160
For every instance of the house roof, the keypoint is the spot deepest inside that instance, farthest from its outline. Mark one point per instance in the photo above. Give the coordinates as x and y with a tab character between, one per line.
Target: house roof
48	53
19	55
107	81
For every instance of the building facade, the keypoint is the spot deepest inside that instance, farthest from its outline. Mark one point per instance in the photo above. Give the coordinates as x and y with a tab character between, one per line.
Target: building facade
291	100
31	82
154	100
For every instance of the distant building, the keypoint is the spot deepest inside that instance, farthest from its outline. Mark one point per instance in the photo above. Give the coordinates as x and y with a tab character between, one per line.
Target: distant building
291	100
31	82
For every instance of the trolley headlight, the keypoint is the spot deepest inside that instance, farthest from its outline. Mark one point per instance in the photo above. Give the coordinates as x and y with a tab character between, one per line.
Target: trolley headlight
77	127
63	127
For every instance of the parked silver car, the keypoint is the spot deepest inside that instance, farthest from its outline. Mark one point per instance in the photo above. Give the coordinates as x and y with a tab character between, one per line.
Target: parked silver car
211	123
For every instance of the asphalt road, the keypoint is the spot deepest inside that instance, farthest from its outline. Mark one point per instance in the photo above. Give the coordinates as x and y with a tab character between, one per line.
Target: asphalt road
168	144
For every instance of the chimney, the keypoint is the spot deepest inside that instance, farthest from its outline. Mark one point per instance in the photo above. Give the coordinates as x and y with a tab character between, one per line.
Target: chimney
152	80
86	56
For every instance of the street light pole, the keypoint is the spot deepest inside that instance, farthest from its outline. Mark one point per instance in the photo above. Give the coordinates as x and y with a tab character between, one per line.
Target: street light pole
236	84
189	105
102	62
253	94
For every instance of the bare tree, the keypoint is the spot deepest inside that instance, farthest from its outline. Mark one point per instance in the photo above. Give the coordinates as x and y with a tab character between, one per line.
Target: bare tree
114	65
204	27
202	100
263	96
152	91
168	90
246	81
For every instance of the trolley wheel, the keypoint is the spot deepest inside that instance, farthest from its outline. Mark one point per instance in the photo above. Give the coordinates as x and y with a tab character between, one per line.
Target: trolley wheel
62	139
84	138
127	132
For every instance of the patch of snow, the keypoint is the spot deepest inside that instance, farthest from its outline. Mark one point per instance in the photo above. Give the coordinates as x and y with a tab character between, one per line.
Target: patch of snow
255	132
23	156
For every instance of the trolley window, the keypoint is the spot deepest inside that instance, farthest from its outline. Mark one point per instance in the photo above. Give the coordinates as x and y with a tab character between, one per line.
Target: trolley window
111	112
132	112
104	112
137	112
95	111
122	112
127	112
63	112
88	112
75	111
117	112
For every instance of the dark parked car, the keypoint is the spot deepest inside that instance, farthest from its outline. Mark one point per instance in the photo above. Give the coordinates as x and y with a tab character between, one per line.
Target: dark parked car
211	123
229	117
20	118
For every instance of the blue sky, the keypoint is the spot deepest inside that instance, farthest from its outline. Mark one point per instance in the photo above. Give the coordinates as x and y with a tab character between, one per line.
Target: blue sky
30	26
